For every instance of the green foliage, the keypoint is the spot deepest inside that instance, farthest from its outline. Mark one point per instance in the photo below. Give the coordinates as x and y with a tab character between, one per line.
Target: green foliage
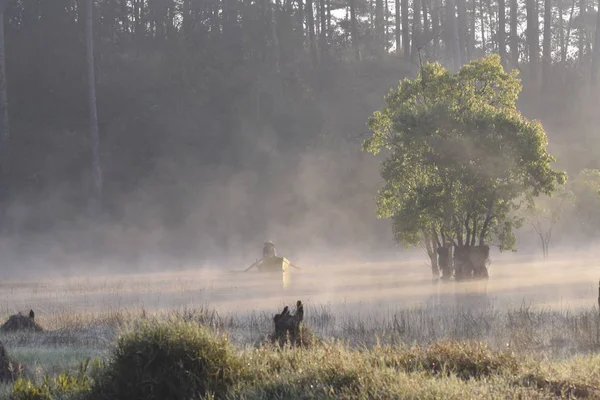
169	360
65	385
461	157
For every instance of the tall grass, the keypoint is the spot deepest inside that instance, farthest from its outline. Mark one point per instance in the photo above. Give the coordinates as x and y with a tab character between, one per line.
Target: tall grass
177	359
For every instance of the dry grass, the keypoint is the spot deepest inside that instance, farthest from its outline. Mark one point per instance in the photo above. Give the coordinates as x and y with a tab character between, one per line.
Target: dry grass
377	307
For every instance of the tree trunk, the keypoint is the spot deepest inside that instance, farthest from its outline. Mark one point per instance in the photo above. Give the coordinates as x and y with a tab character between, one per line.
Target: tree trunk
426	36
398	26
185	19
416	32
563	56
170	19
461	6
471	23
276	50
514	35
470	262
595	55
546	43
452	34
561	30
444	265
435	27
354	30
94	136
301	19
310	19
4	125
379	28
328	5
482	21
582	33
405	29
533	40
491	22
124	16
323	31
502	31
386	38
432	252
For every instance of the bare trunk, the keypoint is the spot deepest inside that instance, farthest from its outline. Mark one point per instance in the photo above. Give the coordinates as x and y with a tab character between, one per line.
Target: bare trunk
561	30
386	38
462	30
533	40
514	36
563	56
310	17
596	53
452	34
276	50
379	28
354	29
491	22
416	33
547	42
4	125
582	35
301	18
185	18
502	30
170	19
405	29
323	31
94	136
124	16
328	5
426	36
482	21
472	18
398	26
435	26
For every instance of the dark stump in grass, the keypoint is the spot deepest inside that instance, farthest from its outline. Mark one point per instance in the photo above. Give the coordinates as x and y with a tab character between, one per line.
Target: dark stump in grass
289	328
9	370
19	322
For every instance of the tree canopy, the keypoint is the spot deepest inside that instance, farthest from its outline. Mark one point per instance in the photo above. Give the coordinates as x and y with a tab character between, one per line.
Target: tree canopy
462	159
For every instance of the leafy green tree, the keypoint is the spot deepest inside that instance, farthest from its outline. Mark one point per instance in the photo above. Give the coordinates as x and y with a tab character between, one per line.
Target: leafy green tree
462	160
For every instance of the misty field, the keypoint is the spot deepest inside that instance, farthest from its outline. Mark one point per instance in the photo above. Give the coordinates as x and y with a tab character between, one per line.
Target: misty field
545	313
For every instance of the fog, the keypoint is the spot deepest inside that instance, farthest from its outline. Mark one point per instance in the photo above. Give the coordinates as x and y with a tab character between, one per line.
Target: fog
216	139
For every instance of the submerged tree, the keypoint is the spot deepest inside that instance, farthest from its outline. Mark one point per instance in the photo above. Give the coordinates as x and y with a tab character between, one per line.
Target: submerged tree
462	162
586	188
544	213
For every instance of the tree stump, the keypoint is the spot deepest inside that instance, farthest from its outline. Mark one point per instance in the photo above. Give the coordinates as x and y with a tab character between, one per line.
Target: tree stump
9	370
470	262
288	327
444	262
20	322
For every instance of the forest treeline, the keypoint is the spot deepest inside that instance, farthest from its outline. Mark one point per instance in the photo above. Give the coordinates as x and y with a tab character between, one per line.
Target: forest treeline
226	122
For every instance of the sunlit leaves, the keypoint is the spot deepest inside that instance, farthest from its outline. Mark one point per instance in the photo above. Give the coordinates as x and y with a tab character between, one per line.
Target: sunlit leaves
460	155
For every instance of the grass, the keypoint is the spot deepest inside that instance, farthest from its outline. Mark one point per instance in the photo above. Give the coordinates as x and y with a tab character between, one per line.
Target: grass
376	349
176	359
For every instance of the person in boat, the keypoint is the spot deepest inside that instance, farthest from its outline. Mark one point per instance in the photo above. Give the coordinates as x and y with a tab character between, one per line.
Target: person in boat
269	250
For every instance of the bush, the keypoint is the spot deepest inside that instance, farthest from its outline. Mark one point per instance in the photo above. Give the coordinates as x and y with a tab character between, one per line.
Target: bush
168	360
